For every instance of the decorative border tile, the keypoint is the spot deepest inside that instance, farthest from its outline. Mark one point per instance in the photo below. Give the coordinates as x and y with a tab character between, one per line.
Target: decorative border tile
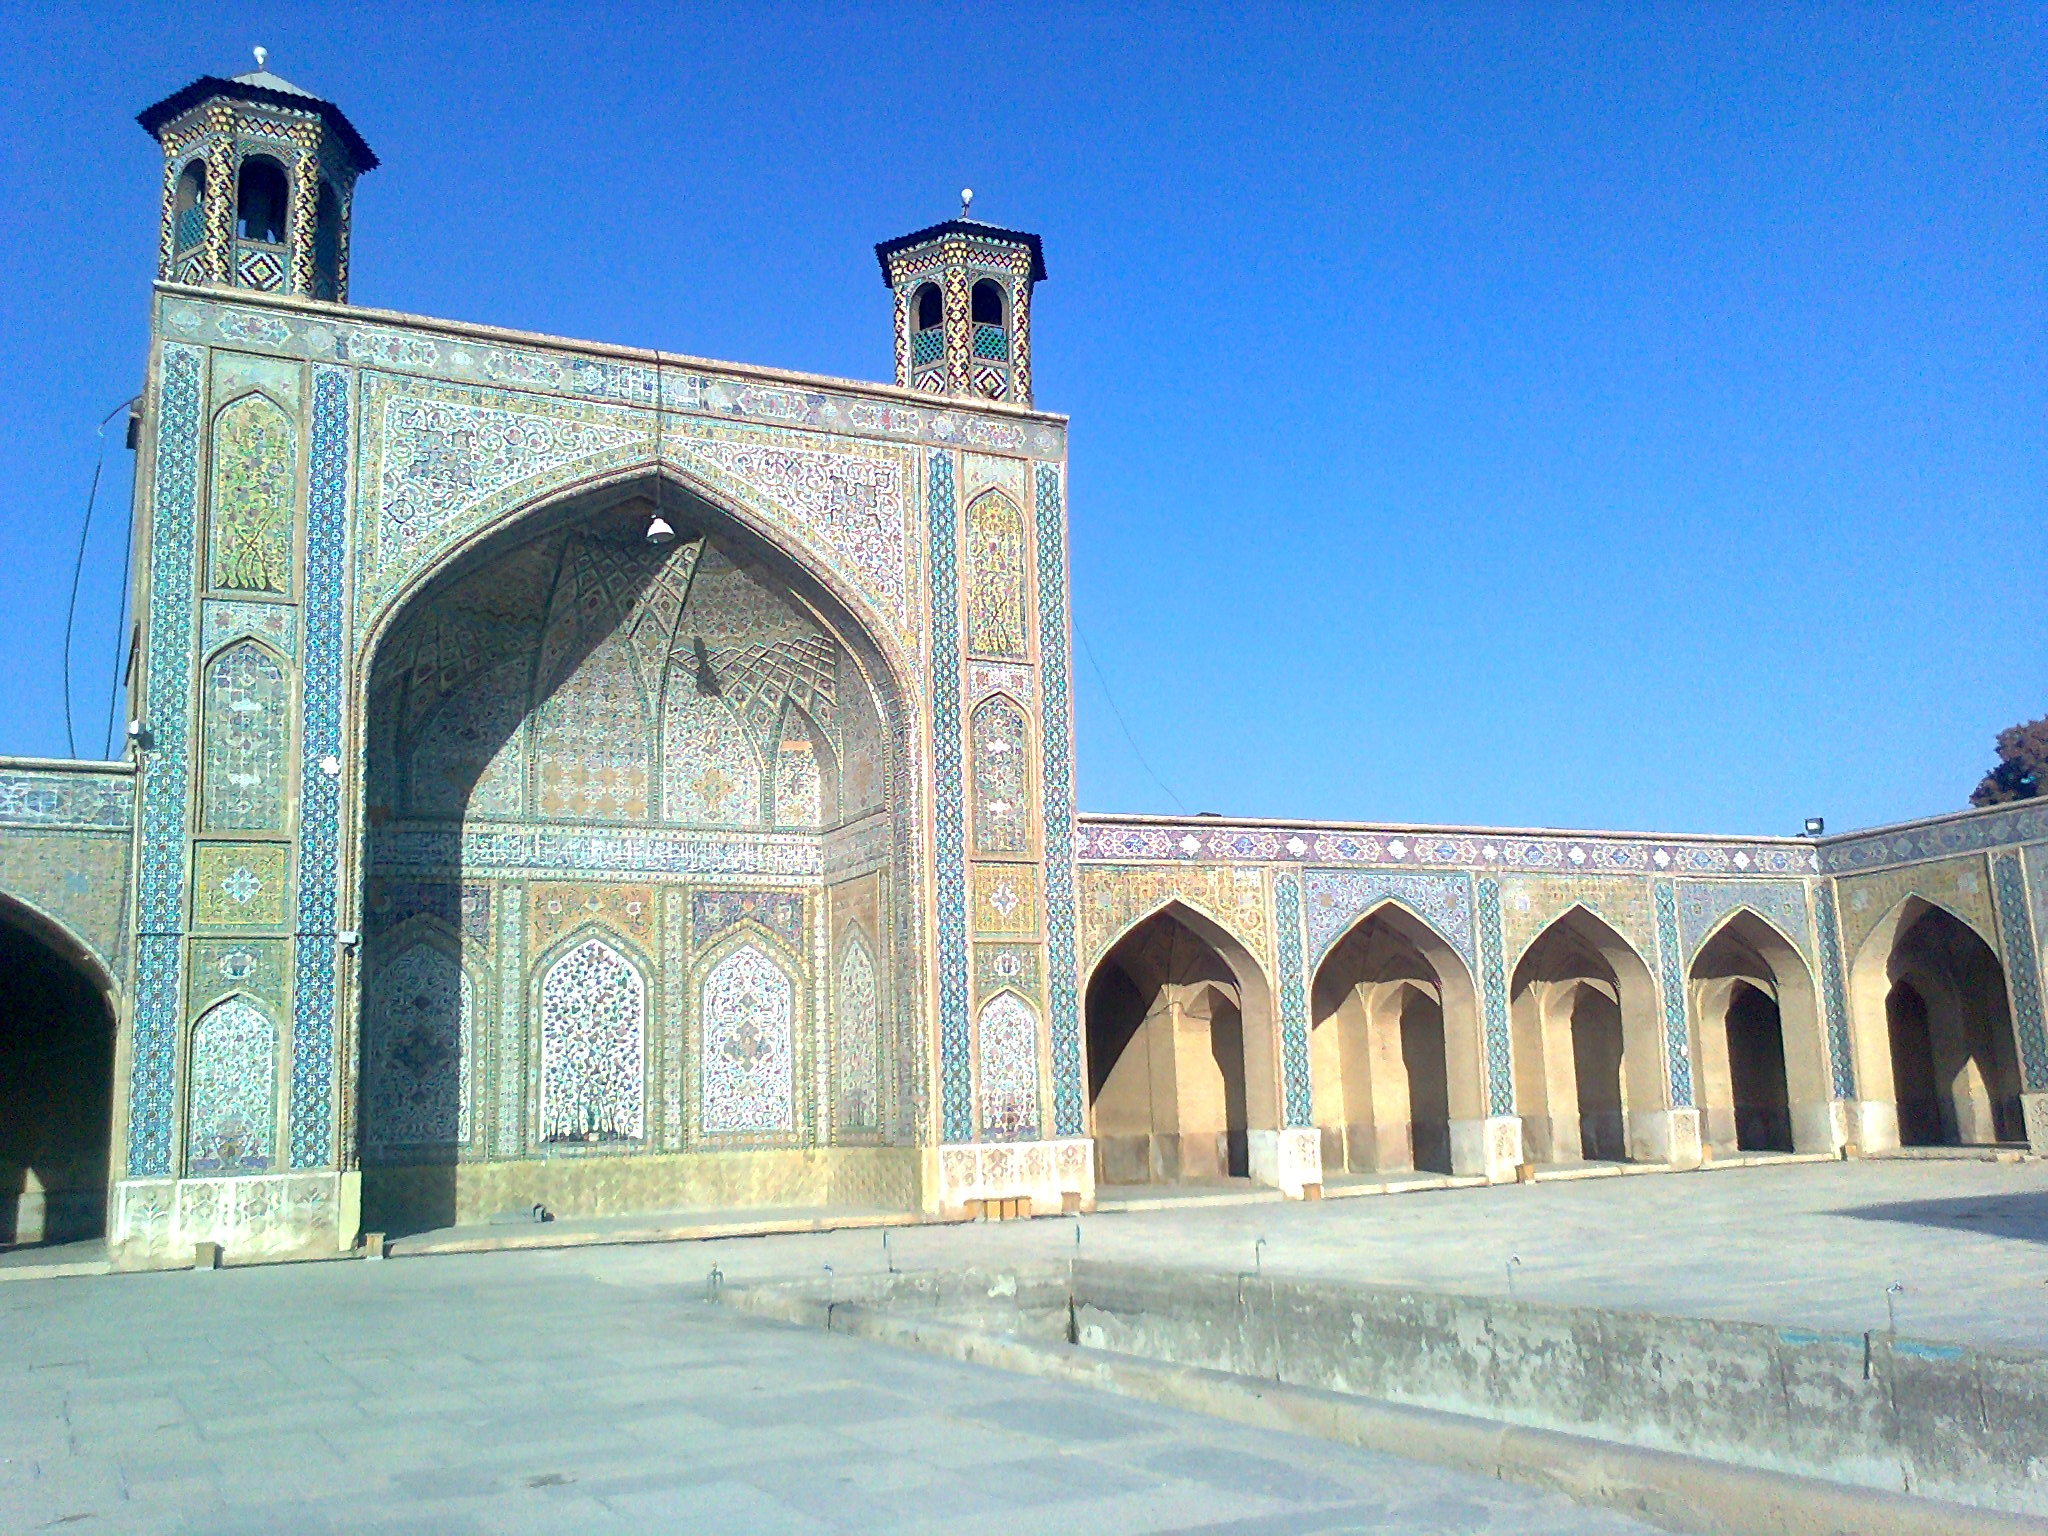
1965	832
92	801
1834	994
1703	904
949	852
2022	966
1337	898
690	389
166	773
512	848
1296	1079
313	999
1493	991
1122	839
1671	971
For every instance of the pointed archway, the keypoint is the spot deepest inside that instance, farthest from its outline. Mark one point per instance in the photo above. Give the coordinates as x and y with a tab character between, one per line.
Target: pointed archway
56	1083
1936	1060
1182	1079
1394	1051
1587	1043
593	758
1759	1061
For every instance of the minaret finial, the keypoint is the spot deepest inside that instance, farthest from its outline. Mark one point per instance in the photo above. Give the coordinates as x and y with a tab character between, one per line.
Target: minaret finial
966	200
262	57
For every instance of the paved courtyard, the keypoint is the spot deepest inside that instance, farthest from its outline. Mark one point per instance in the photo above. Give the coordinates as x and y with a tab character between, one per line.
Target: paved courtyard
591	1389
550	1391
1810	1245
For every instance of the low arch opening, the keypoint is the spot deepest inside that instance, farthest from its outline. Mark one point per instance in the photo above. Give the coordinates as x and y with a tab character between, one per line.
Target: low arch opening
1954	1063
1393	1051
1759	1065
1180	1066
56	1085
1587	1063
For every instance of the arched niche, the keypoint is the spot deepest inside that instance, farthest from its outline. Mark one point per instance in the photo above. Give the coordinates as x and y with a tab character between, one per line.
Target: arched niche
1396	1059
1930	1022
1182	1070
561	702
1759	1056
56	1081
1588	1045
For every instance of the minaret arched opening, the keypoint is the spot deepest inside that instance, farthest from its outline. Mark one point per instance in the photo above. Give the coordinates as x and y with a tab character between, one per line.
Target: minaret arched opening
188	208
262	192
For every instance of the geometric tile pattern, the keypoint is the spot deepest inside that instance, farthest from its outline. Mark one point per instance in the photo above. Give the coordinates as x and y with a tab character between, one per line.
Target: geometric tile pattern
1338	898
419	1027
1294	1063
1702	904
1057	793
2022	967
1493	988
2024	822
161	839
313	1010
239	885
956	1072
1671	972
1842	1060
1118	839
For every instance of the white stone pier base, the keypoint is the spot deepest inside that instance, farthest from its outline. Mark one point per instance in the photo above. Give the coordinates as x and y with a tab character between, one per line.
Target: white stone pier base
155	1223
2034	1111
1873	1125
1490	1149
1670	1136
1289	1161
1051	1176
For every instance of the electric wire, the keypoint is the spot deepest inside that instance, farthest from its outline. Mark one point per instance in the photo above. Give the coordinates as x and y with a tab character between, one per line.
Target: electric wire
1136	750
78	567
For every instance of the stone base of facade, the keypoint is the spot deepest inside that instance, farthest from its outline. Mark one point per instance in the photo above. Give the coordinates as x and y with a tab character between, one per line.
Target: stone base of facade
1490	1149
1289	1161
1870	1125
421	1197
156	1223
1050	1176
1670	1136
2034	1112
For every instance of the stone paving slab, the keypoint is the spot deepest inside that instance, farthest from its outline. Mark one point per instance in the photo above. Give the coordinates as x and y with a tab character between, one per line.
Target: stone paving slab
561	1391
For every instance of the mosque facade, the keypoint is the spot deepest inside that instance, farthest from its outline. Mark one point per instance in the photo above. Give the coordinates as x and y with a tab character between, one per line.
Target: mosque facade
583	777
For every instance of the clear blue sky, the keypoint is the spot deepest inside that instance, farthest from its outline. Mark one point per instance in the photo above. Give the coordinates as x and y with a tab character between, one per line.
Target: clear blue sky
1520	415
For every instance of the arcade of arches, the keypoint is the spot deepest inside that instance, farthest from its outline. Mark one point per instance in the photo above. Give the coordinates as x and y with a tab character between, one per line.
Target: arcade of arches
1177	1008
1180	1064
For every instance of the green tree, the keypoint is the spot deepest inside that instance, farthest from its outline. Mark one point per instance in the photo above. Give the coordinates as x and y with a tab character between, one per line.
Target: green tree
2022	765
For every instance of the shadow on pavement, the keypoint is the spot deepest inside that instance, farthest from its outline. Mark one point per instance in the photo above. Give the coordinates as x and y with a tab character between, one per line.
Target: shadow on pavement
2022	1216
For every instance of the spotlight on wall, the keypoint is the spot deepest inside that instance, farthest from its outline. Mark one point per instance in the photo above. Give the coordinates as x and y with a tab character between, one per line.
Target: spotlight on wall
1815	825
658	530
